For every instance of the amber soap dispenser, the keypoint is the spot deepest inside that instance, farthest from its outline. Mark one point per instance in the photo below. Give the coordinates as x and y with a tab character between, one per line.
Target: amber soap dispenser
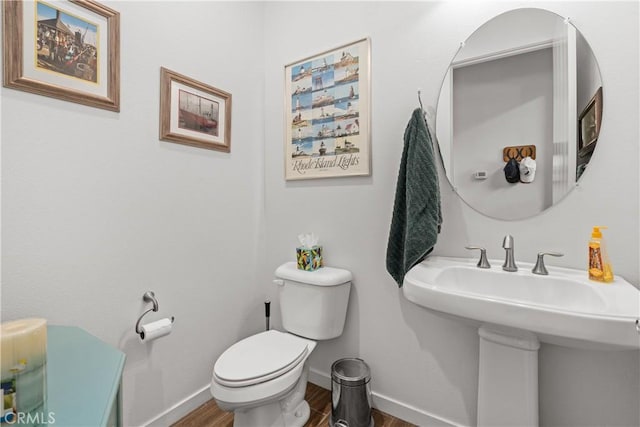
599	264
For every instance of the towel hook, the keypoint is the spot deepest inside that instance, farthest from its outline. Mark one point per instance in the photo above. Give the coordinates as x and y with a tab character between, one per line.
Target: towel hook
148	296
420	100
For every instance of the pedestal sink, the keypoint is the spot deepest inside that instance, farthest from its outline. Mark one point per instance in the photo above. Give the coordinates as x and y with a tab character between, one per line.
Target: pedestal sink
516	310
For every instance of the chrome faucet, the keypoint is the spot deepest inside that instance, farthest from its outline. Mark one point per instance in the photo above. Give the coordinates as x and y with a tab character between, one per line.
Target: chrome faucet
509	262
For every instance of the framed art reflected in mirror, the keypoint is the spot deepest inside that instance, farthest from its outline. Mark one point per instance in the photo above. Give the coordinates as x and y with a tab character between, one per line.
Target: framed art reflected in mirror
589	124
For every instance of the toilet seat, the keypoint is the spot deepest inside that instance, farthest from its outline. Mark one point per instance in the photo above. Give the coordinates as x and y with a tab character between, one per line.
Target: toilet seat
265	388
260	358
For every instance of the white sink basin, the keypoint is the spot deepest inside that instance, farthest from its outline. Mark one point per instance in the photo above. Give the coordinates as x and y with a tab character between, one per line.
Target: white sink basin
564	308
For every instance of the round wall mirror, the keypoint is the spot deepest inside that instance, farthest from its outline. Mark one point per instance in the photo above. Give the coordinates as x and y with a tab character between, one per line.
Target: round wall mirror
525	85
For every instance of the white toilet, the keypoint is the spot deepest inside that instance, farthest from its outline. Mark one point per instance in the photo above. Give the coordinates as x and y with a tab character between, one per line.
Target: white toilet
263	378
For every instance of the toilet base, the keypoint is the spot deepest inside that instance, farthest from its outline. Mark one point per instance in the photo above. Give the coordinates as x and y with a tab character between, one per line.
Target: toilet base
292	411
299	417
272	416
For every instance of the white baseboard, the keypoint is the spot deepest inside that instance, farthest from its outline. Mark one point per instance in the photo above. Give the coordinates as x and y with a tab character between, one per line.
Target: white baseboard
389	405
319	378
381	402
181	408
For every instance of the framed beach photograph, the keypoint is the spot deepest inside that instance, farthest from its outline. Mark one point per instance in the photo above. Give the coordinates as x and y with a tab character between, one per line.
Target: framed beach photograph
589	124
68	50
328	114
194	113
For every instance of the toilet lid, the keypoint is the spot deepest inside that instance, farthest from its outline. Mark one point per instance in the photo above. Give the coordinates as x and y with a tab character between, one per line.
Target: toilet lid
259	358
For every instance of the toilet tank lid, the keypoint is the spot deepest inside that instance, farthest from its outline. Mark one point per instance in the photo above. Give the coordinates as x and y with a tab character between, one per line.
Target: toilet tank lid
325	276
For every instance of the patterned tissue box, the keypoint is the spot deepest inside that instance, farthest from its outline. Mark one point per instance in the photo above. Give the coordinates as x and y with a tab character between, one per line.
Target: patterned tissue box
309	259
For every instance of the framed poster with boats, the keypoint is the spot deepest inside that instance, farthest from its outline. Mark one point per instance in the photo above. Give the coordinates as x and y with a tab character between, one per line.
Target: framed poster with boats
68	50
328	114
194	113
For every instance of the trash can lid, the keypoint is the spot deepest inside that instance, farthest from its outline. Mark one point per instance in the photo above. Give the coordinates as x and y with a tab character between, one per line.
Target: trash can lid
350	371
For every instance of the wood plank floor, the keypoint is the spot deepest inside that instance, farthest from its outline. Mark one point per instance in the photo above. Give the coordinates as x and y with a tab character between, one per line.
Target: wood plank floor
209	415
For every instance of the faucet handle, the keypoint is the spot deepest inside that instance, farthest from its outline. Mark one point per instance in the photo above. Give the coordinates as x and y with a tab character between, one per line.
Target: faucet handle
540	267
483	262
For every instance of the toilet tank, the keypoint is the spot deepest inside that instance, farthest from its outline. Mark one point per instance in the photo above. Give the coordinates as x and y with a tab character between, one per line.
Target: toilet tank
313	303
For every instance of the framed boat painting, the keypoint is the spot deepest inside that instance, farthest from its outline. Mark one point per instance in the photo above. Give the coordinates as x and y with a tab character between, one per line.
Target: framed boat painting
328	114
194	113
68	50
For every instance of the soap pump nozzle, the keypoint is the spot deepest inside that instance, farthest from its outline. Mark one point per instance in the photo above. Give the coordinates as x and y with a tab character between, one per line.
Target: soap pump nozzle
596	233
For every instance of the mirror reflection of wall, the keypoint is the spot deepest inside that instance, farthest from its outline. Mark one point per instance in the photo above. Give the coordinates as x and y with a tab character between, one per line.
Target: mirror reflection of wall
523	78
589	86
504	102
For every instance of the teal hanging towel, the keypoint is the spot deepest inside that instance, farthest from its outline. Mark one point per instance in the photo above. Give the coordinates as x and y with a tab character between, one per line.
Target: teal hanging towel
416	211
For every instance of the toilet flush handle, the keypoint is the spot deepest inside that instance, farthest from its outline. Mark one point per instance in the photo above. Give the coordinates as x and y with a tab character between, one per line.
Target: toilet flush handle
278	282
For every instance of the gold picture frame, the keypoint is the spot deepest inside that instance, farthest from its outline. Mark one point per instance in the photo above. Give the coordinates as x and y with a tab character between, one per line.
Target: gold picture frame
194	113
66	50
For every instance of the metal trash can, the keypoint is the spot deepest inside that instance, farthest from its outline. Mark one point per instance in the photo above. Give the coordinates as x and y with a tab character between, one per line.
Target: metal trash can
350	394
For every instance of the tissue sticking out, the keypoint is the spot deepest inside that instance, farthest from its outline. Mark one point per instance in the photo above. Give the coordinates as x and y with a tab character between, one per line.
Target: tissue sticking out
308	240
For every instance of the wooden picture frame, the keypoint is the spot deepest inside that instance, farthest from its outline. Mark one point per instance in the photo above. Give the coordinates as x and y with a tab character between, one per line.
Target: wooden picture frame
68	50
589	123
328	114
194	113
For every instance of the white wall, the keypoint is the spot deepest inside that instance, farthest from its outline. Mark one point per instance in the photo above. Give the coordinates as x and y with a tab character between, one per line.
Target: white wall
420	359
526	28
91	222
588	80
496	104
97	210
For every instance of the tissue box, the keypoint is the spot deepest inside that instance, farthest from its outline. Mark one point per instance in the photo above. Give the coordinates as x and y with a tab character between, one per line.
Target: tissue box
309	259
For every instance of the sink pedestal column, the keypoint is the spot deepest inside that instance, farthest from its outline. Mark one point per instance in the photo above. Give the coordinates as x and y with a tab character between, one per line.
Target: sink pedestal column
508	377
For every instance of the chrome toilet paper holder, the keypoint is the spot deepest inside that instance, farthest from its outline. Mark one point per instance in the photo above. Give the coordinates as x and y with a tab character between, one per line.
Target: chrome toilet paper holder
148	296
